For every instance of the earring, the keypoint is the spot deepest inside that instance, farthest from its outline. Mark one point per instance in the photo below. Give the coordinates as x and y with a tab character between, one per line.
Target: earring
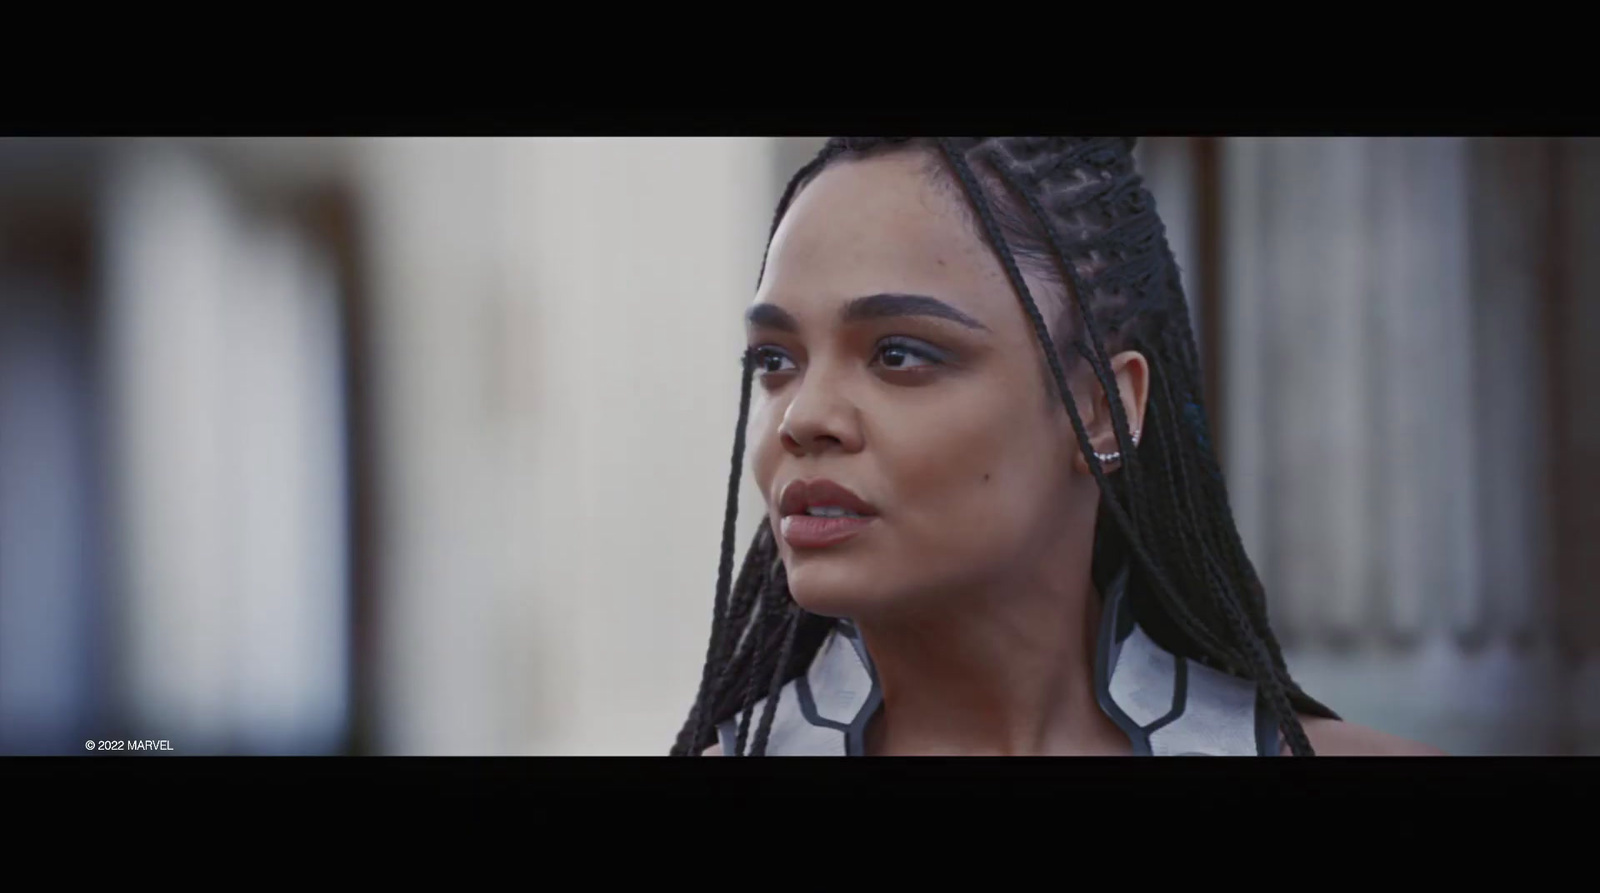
1108	458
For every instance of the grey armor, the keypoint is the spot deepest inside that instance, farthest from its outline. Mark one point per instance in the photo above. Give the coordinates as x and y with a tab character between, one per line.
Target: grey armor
1167	705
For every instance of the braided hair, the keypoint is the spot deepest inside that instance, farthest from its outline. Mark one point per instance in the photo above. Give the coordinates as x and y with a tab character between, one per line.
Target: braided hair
1076	214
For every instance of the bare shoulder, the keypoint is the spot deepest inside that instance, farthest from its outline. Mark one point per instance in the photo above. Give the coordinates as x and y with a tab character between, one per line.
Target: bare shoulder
1337	738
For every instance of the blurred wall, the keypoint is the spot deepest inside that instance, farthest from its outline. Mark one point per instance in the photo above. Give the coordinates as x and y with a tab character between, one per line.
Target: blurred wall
559	338
171	486
1393	421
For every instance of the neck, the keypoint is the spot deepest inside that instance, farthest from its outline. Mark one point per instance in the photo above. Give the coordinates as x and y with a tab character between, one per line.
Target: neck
1014	679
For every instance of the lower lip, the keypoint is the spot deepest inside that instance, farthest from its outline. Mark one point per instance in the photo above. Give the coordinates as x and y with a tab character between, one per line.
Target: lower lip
810	532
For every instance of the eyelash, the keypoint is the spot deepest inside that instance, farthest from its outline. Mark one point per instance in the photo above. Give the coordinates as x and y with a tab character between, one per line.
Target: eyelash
760	355
930	357
914	348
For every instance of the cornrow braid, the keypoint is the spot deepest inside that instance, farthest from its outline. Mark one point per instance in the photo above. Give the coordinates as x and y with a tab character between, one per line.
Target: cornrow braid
1075	212
1126	520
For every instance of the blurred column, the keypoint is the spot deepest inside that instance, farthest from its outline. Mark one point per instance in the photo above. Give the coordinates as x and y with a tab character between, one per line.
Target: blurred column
639	256
1424	395
1351	389
1361	455
1509	212
167	234
1574	423
49	699
560	335
443	683
222	371
1314	440
1249	224
287	495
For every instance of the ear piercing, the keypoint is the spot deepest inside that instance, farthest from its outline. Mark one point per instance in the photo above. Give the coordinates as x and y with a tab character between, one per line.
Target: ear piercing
1108	458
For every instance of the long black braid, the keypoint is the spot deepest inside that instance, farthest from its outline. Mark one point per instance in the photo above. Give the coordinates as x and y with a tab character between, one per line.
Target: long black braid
1075	212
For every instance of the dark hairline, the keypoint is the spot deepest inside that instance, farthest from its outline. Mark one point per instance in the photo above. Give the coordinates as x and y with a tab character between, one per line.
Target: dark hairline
1023	236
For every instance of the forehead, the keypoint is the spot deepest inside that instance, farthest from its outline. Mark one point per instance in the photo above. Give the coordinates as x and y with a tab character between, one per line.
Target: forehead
880	224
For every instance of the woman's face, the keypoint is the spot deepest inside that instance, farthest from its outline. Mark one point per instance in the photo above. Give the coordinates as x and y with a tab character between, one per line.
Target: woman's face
894	360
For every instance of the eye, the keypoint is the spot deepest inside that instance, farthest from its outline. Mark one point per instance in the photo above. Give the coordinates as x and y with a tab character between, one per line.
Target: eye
772	360
903	354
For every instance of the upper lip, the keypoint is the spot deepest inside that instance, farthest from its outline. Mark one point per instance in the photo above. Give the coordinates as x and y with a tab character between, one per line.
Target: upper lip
798	496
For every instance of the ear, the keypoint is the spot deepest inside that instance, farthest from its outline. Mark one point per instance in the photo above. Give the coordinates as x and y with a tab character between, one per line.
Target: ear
1132	374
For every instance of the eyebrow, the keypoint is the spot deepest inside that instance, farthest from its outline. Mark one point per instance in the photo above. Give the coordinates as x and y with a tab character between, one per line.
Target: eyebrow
878	306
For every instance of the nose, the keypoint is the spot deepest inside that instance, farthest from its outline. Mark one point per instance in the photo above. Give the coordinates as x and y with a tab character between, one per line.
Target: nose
821	417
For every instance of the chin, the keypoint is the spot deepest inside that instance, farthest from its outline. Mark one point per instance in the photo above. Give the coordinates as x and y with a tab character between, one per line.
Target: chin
833	585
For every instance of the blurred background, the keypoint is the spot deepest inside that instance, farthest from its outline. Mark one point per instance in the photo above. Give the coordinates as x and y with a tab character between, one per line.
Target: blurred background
347	445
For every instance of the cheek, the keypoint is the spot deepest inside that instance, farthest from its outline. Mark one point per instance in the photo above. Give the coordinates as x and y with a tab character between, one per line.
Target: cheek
762	444
977	473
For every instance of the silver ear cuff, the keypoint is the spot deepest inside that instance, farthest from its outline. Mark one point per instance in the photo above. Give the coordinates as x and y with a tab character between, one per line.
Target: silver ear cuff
1108	458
